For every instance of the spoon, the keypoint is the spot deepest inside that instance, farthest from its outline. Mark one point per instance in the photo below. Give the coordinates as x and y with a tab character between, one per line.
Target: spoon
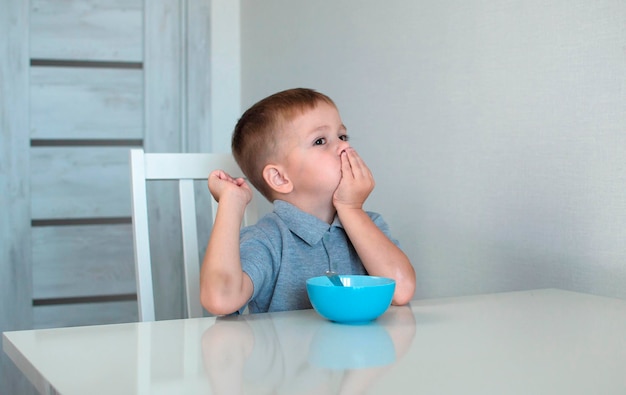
334	278
330	273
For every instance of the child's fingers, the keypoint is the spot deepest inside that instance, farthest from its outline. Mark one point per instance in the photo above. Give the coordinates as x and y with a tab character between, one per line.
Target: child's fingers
239	181
359	168
346	168
222	175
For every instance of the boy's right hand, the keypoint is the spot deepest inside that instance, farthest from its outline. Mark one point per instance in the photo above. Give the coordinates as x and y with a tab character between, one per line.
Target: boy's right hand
223	186
356	182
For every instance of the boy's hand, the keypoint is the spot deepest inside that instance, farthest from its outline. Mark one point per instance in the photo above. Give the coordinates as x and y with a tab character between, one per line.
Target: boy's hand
356	182
223	186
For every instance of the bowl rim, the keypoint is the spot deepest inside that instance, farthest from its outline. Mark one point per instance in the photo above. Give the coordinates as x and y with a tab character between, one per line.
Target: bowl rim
387	281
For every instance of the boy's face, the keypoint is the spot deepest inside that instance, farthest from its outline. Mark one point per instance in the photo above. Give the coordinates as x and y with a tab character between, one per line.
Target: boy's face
312	145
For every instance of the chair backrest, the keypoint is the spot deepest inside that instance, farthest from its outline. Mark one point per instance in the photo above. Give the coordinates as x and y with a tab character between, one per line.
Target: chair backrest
184	168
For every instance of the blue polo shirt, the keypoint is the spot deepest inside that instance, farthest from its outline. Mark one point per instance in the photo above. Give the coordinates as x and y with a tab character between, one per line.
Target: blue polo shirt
288	246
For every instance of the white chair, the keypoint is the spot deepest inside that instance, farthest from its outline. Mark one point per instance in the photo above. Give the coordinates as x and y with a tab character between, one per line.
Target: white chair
185	168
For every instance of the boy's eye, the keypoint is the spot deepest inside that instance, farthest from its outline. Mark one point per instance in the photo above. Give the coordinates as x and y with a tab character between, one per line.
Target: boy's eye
344	137
320	141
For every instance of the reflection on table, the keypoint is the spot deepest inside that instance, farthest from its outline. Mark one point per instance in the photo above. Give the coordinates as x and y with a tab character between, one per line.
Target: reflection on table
270	356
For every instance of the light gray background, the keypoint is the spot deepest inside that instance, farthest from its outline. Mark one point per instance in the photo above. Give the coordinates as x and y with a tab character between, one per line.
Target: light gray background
495	129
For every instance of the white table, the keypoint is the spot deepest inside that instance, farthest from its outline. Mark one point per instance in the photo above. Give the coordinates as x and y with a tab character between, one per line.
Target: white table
531	342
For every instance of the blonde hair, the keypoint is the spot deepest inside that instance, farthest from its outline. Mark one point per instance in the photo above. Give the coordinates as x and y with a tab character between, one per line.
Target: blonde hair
256	135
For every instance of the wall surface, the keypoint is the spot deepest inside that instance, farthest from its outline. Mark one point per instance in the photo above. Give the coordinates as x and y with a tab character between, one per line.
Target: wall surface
495	129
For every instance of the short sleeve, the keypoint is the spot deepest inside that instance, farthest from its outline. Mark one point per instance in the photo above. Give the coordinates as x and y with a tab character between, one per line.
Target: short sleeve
260	260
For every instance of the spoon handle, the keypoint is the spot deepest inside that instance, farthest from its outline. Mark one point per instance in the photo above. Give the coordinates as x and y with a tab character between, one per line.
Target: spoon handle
334	278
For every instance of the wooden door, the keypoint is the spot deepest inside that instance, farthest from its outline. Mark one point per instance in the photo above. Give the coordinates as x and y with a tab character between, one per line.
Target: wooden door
89	80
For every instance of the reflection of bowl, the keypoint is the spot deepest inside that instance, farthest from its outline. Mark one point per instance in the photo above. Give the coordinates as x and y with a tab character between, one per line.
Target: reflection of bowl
361	299
336	346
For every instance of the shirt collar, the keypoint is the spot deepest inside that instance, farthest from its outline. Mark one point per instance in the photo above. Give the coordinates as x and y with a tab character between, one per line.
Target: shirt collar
306	226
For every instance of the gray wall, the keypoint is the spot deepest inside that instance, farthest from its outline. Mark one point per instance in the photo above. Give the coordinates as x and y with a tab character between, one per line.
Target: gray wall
495	129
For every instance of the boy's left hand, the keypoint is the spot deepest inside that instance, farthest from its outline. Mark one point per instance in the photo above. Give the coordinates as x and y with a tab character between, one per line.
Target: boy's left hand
356	182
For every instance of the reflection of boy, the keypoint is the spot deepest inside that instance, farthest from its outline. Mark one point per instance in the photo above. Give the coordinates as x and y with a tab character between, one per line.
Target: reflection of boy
269	356
262	357
293	147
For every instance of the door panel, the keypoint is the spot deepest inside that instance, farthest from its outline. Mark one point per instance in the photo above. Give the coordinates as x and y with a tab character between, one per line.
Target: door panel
86	103
97	30
82	261
79	182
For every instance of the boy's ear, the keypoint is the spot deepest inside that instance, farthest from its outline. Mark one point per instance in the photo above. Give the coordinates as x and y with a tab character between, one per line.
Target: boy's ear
277	179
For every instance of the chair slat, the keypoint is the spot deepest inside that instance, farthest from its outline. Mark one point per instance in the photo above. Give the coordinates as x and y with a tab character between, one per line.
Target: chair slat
190	247
143	269
188	166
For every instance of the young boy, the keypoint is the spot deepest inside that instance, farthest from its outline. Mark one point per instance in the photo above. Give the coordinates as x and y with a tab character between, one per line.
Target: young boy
293	147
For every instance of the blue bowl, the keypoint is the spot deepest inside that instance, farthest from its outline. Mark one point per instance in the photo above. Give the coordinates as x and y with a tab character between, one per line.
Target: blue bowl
361	299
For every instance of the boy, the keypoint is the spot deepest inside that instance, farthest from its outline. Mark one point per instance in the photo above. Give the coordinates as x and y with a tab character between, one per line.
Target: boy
293	147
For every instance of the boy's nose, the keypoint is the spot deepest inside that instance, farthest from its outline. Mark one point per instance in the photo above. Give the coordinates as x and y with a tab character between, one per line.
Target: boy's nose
342	146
